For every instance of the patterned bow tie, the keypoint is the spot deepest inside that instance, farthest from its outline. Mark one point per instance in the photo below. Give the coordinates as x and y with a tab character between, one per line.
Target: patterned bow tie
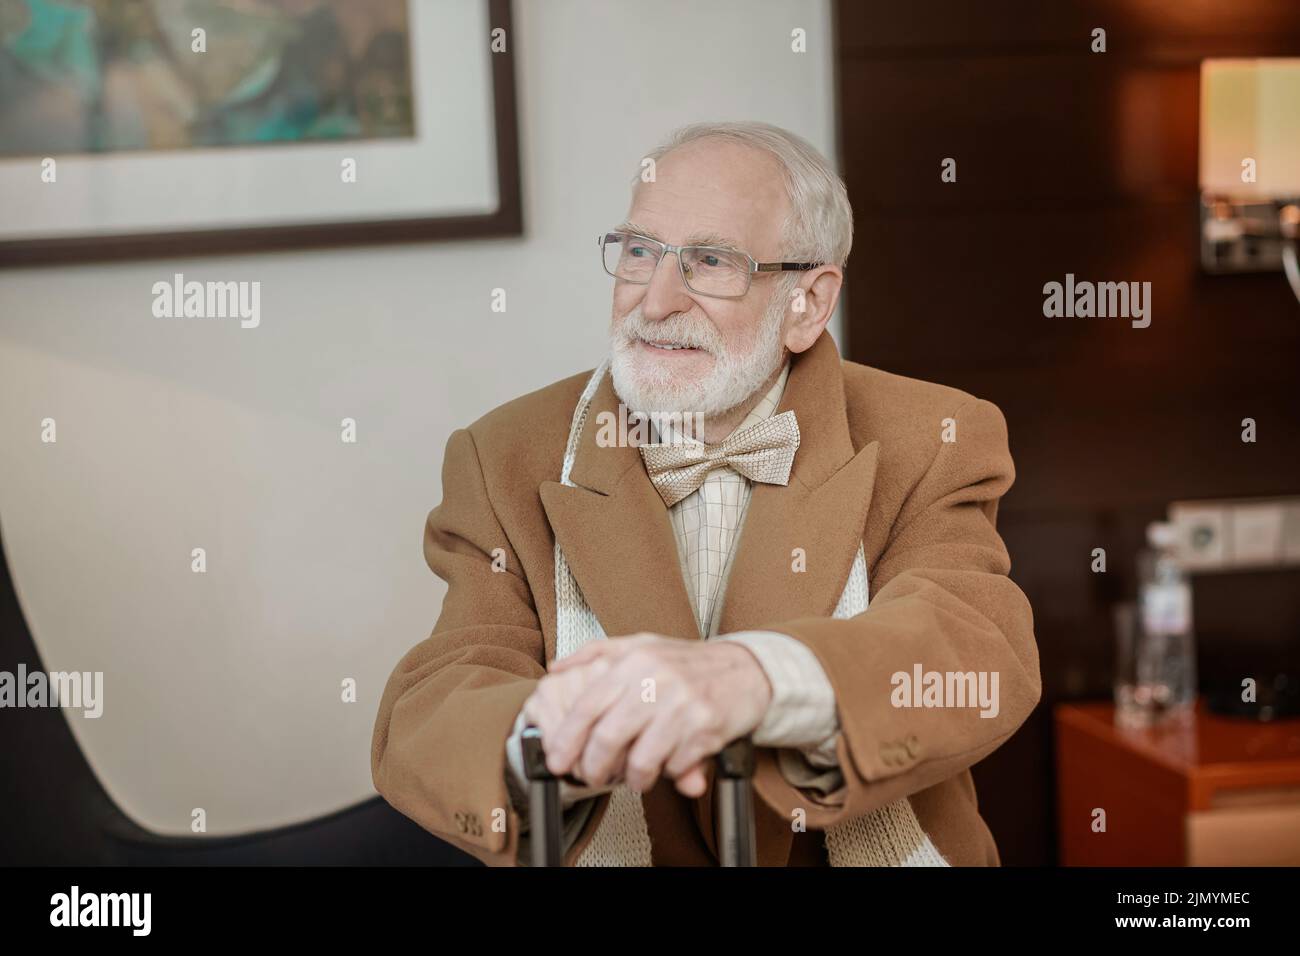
762	452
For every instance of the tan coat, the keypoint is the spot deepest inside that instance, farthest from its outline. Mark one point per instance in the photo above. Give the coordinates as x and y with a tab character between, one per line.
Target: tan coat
871	467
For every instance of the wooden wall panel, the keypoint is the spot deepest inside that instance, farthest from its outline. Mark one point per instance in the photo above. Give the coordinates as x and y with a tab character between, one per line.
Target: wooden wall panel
1057	110
1150	27
1068	161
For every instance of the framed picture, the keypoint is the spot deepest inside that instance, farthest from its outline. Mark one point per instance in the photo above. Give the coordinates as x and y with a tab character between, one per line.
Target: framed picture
139	128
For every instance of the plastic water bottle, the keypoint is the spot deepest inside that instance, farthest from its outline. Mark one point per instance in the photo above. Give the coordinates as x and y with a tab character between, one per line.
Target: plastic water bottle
1165	686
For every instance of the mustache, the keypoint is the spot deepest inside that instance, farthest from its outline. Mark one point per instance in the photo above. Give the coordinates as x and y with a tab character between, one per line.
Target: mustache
680	329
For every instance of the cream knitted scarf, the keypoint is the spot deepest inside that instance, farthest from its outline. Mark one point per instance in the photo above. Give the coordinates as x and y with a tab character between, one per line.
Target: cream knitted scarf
888	836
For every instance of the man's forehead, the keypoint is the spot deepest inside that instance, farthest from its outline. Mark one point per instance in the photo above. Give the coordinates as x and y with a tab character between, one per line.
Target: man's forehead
712	193
697	237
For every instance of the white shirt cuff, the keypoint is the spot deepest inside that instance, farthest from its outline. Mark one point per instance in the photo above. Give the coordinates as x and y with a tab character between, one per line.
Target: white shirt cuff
802	713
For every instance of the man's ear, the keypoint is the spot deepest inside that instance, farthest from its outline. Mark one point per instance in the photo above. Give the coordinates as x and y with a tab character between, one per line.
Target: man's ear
811	305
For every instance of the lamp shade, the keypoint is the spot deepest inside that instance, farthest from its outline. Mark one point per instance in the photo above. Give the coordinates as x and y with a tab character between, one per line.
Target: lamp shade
1250	110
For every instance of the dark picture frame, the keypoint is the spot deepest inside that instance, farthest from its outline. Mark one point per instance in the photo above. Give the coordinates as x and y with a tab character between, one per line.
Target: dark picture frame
505	221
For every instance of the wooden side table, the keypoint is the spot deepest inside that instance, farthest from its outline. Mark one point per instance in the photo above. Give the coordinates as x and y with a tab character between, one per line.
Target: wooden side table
1213	791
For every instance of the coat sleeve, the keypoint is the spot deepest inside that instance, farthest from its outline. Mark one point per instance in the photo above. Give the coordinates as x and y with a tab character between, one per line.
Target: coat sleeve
438	749
941	599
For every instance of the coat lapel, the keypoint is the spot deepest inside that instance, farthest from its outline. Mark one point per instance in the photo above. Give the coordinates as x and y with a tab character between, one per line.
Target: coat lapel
822	511
617	536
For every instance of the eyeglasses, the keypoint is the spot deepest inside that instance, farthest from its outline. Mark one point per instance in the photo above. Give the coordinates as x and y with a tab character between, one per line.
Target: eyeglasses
706	270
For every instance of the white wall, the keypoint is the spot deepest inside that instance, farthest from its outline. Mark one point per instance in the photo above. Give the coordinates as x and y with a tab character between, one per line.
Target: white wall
223	689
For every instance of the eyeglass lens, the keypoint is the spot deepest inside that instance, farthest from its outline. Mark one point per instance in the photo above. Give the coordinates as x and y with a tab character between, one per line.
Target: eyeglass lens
708	271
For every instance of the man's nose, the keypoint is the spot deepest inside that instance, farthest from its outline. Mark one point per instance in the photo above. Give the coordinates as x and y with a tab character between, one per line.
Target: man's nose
666	294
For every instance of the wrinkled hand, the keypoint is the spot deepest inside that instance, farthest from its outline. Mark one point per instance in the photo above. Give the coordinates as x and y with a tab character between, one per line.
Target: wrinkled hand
634	708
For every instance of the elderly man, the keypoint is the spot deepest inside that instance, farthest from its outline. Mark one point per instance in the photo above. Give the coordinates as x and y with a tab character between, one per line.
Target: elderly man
782	544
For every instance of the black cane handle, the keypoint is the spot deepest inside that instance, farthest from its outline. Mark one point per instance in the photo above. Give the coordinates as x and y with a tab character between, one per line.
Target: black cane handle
544	806
734	804
530	739
736	760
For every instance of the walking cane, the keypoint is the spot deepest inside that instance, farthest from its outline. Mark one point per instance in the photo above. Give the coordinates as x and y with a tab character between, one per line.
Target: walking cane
544	811
734	804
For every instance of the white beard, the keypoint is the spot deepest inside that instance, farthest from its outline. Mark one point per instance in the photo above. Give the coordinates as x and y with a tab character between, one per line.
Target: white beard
648	386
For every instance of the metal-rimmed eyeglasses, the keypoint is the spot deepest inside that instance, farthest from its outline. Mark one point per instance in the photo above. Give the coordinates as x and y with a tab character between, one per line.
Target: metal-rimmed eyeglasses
718	271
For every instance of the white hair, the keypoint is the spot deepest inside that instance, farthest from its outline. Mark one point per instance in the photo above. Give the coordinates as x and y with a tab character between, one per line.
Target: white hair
820	225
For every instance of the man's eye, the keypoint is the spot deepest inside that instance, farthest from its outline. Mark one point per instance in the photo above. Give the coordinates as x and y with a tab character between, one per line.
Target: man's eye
710	260
638	251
